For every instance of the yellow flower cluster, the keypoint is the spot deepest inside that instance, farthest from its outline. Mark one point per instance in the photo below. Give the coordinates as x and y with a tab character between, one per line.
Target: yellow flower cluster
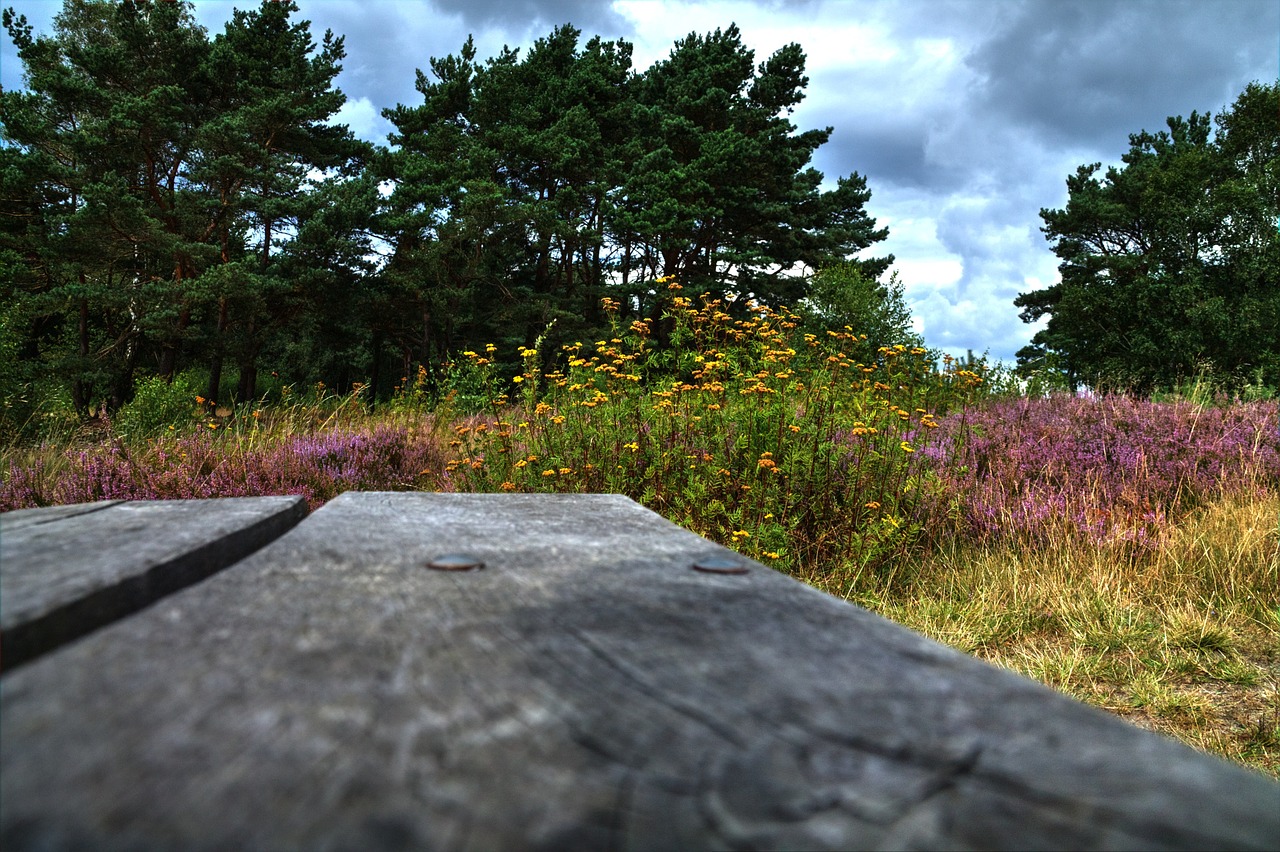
781	400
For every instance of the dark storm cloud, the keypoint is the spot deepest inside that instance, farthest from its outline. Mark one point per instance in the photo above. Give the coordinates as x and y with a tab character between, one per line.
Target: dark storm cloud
886	121
1041	88
522	16
385	42
890	153
1094	72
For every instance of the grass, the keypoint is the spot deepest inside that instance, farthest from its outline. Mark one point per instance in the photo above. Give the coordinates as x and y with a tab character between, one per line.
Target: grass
1122	551
1184	639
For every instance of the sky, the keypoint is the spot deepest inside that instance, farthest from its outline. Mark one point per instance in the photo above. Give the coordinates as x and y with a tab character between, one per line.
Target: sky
964	116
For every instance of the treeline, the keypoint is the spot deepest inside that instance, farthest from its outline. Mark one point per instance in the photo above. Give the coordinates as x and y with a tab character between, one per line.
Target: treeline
171	201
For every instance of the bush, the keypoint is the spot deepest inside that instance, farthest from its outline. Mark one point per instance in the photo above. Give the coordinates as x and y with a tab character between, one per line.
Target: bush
752	432
157	406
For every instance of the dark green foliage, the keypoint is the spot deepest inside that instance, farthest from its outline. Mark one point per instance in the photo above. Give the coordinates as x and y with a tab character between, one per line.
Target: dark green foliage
155	182
502	181
179	203
721	194
842	297
261	152
529	187
1171	263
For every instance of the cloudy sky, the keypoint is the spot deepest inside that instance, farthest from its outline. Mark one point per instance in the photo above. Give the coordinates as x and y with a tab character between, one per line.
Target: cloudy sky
965	116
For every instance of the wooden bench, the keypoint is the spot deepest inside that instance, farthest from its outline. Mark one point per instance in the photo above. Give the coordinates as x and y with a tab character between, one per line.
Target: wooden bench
604	680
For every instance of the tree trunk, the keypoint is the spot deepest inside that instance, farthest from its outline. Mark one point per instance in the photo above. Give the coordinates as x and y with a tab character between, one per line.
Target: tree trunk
169	357
375	369
220	342
123	390
79	392
248	387
215	366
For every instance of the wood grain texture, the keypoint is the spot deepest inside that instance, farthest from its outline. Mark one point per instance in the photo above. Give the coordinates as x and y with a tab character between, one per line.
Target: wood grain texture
585	689
68	570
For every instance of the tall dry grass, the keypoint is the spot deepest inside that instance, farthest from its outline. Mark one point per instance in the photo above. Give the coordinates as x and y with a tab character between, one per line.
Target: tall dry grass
1182	638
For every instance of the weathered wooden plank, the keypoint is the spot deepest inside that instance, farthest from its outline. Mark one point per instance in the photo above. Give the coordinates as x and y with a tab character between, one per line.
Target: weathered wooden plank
68	570
23	518
585	688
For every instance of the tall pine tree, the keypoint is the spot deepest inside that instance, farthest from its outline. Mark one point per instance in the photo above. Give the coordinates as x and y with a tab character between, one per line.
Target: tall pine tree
156	175
528	187
1171	262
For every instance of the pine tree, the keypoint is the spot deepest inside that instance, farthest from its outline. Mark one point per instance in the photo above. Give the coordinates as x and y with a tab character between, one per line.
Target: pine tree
153	175
1171	262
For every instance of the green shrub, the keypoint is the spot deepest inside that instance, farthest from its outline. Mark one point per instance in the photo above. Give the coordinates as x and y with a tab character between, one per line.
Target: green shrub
750	431
157	406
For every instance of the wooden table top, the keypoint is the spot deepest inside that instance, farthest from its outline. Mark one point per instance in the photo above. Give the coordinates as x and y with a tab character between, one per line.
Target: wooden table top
591	676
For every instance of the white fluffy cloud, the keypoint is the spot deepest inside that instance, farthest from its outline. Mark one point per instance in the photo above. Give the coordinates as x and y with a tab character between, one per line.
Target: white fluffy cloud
364	118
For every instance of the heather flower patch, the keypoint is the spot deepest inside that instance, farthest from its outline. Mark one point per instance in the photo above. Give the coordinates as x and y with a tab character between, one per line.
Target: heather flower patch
319	466
1110	469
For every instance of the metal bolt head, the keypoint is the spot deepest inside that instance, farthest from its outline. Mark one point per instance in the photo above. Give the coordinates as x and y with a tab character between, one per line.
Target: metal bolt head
720	565
455	562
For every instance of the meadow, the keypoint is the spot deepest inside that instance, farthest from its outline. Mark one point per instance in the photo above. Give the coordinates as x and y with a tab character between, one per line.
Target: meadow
1124	551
